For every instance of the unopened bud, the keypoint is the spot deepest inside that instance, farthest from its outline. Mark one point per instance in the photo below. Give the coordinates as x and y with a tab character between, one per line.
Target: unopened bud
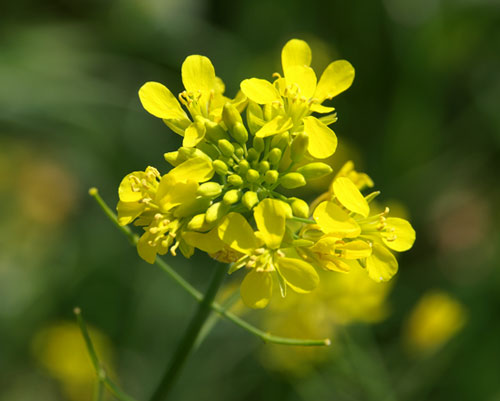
230	116
216	212
259	144
209	189
226	147
197	222
214	132
271	177
252	175
300	208
235	180
293	180
243	166
239	133
275	156
238	151
252	154
314	170
250	199
220	167
299	147
264	166
171	157
231	197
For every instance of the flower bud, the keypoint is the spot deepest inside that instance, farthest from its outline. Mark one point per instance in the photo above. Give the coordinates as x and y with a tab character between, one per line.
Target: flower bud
171	157
238	151
299	147
264	166
239	133
252	175
301	242
197	222
214	132
280	140
243	166
275	156
226	147
220	167
250	199
300	208
235	180
258	144
216	212
314	170
252	154
230	116
209	189
292	180
231	197
271	177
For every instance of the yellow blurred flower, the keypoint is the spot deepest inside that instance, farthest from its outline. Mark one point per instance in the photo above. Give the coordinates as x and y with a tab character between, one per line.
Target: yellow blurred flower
435	319
60	350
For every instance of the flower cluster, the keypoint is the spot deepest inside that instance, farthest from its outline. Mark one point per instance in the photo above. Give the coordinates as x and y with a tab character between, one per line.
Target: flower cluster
223	197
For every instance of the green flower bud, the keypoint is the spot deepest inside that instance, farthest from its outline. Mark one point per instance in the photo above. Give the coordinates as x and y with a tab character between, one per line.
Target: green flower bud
210	150
239	151
197	223
314	170
252	154
252	175
300	208
209	189
264	166
271	177
188	153
301	242
243	166
259	144
215	212
292	180
231	197
239	133
235	180
229	162
280	140
250	199
226	147
230	116
220	167
275	156
214	132
299	147
190	208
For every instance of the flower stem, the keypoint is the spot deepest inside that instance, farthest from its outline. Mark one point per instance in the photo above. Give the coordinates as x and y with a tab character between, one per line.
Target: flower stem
189	340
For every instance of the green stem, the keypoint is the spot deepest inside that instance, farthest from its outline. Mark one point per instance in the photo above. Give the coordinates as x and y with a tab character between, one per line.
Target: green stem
302	220
189	340
266	337
99	369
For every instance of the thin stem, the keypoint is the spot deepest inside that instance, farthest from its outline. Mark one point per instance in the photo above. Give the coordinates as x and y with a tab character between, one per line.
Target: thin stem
99	369
266	337
189	340
302	220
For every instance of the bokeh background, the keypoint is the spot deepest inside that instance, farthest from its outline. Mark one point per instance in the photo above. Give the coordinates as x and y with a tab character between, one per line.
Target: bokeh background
422	118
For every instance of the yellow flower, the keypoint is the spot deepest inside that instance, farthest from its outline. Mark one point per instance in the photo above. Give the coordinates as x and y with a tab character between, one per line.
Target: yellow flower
435	319
289	102
263	252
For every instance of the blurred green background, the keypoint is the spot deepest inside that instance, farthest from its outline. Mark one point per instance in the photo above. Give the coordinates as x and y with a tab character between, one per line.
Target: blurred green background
422	118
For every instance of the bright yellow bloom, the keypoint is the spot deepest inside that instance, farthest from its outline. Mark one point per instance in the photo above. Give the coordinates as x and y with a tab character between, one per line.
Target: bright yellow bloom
435	319
287	104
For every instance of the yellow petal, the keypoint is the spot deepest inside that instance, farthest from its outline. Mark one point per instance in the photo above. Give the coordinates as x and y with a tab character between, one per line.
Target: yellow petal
322	140
304	77
207	242
335	221
194	134
299	275
336	78
400	235
220	87
270	216
256	289
128	211
318	108
295	52
382	264
237	233
260	91
197	169
145	250
277	125
356	249
172	193
198	74
125	191
349	196
160	102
